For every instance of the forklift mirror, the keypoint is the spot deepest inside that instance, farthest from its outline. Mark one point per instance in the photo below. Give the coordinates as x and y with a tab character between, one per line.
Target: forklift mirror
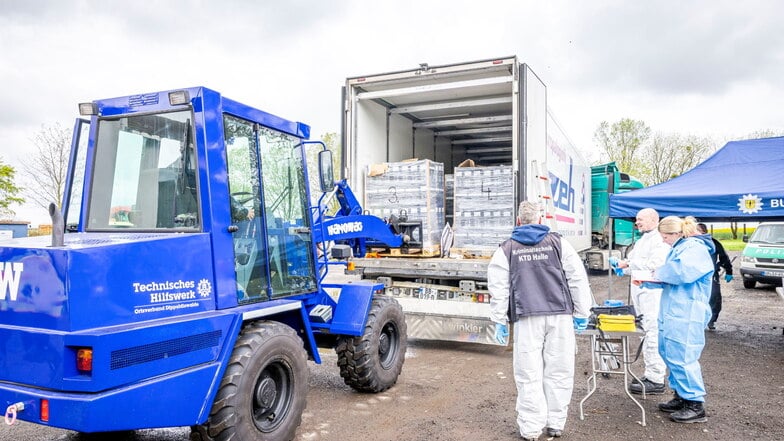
326	174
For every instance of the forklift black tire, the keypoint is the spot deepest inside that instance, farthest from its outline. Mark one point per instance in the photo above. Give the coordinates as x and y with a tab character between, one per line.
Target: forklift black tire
373	361
263	391
749	283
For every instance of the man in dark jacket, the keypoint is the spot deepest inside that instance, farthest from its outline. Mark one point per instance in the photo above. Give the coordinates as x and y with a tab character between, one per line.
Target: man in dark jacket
720	260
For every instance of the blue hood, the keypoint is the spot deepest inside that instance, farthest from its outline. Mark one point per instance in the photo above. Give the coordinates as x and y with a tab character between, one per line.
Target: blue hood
530	234
707	240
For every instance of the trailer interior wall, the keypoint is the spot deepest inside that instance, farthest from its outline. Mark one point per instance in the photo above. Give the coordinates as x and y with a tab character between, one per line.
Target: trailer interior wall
446	155
425	146
369	129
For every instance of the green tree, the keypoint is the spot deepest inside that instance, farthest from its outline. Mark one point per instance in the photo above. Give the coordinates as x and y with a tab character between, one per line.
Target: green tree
330	140
671	155
8	191
622	142
44	172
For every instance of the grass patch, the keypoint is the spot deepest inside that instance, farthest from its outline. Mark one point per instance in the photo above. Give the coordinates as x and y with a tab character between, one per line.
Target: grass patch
733	244
724	235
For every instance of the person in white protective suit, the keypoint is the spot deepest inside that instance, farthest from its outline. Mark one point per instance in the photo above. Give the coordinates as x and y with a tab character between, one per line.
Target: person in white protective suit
648	253
686	277
544	281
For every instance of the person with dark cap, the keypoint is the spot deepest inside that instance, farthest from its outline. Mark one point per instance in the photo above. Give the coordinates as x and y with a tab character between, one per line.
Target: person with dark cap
720	260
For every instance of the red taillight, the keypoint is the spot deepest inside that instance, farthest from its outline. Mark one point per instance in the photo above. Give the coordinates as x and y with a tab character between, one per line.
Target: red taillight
84	360
44	410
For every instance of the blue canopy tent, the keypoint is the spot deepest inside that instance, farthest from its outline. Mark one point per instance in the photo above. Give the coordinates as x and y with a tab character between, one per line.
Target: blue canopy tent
743	181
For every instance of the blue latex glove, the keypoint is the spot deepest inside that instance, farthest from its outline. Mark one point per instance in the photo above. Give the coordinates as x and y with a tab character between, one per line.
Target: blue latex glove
650	285
580	324
614	262
728	278
618	271
501	333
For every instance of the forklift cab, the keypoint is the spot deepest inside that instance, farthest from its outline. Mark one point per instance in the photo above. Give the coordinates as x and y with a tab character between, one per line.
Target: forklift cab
193	162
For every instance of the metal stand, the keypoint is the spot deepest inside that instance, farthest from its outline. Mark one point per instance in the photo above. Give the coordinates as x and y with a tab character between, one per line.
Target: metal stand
607	345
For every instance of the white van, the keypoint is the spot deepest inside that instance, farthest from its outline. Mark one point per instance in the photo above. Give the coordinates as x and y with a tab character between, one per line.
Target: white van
763	258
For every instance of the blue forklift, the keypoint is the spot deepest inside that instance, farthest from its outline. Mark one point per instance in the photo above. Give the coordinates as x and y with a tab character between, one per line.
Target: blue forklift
183	284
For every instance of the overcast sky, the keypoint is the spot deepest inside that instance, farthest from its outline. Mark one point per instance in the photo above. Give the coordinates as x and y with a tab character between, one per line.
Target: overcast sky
709	68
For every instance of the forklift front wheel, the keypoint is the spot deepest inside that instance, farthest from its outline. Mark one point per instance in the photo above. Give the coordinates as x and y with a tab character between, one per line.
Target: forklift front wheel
373	361
262	394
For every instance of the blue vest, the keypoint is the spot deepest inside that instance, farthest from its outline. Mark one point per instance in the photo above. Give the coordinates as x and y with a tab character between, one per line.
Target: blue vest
537	283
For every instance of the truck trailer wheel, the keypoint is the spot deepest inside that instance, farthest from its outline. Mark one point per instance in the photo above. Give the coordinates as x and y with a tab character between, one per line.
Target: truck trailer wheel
373	361
262	394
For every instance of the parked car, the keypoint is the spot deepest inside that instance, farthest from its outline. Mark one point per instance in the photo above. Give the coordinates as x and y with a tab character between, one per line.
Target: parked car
762	259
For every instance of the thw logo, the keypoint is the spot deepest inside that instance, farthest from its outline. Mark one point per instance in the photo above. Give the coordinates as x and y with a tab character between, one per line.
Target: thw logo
9	279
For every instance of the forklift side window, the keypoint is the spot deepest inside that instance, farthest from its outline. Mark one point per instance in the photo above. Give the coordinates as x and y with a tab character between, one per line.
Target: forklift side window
148	165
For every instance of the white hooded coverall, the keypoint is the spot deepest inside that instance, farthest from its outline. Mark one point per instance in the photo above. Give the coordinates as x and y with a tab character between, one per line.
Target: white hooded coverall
544	345
649	253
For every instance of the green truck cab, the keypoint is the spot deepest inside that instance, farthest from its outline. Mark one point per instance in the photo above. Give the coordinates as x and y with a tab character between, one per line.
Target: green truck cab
619	234
762	259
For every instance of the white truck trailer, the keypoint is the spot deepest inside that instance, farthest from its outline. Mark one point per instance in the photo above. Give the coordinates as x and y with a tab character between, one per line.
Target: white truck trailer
493	112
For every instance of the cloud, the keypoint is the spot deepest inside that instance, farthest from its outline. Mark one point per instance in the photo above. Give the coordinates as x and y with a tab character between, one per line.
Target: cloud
680	47
703	67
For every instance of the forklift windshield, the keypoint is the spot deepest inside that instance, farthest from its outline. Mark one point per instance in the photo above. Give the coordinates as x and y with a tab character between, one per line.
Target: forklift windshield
144	174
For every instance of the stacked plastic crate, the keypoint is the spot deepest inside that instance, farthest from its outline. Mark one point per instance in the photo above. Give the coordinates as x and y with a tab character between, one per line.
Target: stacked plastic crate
484	207
411	188
449	200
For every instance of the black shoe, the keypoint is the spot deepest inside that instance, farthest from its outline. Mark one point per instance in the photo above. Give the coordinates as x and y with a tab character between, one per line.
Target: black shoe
650	387
692	412
711	325
673	405
553	433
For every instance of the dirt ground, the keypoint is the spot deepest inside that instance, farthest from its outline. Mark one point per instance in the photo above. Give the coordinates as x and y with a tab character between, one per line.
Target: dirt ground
452	391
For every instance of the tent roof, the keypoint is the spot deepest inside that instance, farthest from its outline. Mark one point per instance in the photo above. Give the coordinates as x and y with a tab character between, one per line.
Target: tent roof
744	180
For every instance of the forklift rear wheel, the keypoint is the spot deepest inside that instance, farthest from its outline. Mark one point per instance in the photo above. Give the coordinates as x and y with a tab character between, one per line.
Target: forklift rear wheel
262	394
373	361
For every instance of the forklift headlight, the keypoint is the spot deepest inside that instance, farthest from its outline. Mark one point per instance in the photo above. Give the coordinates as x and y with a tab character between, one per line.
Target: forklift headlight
88	109
179	97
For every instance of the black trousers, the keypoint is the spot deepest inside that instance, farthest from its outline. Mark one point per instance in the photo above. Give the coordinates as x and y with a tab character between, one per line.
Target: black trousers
715	301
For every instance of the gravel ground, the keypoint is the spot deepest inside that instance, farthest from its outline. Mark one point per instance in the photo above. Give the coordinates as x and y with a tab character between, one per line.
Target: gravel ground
451	391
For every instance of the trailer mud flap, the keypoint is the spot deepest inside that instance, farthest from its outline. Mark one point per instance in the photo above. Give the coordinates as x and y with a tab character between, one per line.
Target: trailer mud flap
352	307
